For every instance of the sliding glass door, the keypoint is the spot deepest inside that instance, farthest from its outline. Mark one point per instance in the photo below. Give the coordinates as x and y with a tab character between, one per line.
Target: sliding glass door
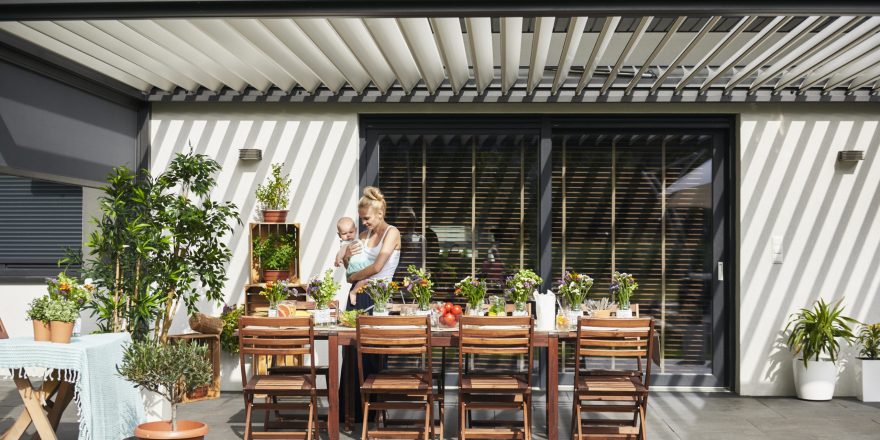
647	196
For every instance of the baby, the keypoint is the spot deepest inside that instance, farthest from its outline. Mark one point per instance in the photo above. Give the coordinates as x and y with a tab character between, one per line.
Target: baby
346	229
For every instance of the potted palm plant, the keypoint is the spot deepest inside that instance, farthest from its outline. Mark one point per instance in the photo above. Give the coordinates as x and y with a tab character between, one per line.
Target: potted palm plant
814	335
520	287
37	313
273	196
172	371
869	363
275	253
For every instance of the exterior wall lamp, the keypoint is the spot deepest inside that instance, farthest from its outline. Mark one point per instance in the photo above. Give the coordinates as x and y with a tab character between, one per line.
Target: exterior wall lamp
249	154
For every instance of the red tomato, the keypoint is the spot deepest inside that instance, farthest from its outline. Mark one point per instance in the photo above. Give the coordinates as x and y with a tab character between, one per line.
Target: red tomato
456	310
447	307
447	319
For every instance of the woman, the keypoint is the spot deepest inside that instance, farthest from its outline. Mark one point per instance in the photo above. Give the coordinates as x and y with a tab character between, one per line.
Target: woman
382	245
383	248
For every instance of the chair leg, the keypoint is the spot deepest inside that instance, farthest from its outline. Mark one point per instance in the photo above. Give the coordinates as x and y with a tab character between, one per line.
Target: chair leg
462	418
442	415
429	418
526	423
643	430
266	415
310	425
366	417
577	419
247	420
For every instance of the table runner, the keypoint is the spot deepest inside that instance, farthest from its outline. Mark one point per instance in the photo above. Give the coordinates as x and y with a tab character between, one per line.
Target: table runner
108	406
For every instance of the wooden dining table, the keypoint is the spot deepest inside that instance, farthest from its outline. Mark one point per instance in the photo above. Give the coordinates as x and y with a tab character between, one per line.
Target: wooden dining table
337	337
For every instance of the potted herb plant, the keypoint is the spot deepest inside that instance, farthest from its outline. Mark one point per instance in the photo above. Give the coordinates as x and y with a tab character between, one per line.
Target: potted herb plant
37	313
61	314
574	288
67	287
172	371
380	291
274	292
622	286
322	291
421	287
473	290
520	287
275	253
274	195
815	335
869	363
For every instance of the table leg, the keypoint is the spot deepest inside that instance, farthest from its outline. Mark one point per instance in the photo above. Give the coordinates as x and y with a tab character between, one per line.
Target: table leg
552	387
333	387
350	386
19	427
62	399
34	407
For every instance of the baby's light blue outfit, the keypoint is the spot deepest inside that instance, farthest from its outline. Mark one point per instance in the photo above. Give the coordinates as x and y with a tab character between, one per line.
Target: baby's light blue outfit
357	262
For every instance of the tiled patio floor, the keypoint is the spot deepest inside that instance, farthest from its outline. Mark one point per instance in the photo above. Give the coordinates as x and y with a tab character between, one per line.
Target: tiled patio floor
672	415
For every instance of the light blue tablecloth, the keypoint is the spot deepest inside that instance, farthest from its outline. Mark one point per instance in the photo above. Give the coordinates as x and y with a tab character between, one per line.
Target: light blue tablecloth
109	407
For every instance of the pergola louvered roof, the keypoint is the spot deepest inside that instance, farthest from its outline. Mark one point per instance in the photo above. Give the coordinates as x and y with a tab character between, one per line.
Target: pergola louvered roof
609	58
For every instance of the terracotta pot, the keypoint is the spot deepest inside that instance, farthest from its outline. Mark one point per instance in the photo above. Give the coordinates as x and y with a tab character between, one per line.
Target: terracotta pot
274	216
41	331
275	275
61	331
186	429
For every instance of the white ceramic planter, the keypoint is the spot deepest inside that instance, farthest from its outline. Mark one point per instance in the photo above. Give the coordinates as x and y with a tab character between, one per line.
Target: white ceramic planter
156	408
869	380
624	313
816	381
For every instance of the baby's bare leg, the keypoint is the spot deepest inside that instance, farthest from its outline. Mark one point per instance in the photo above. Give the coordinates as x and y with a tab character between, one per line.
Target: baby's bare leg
352	296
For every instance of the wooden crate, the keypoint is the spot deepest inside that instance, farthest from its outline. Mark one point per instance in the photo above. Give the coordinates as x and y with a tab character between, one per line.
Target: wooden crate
213	343
263	230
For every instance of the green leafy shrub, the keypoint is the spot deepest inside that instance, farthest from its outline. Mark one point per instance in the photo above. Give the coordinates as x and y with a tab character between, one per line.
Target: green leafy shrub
869	340
275	193
37	309
228	339
170	370
818	331
275	251
61	309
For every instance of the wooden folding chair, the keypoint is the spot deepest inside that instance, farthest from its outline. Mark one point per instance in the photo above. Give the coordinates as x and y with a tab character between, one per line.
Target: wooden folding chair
605	387
485	389
390	390
259	336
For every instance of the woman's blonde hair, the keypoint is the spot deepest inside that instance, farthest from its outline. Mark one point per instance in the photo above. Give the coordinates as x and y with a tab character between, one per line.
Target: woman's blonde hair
373	199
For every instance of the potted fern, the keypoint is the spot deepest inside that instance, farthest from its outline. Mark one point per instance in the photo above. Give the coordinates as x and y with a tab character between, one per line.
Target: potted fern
170	370
814	336
869	363
275	252
274	195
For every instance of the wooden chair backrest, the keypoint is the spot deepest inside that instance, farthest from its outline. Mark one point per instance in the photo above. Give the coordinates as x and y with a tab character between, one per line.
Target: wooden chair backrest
271	337
615	338
508	336
394	335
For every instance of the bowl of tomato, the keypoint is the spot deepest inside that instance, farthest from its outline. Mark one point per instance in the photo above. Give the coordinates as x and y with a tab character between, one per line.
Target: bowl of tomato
448	314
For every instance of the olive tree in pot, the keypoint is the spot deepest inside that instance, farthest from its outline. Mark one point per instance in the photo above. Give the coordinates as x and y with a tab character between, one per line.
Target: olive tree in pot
815	334
273	196
869	363
172	371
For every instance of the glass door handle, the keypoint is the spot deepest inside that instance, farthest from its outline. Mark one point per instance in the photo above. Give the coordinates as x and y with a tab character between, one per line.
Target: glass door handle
720	271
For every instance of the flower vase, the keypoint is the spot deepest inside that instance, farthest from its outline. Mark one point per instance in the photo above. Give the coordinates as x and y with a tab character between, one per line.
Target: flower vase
77	327
624	311
573	316
380	309
273	312
474	310
423	310
519	309
322	316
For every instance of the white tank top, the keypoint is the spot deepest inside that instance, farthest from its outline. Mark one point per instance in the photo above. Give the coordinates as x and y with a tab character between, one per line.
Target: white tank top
390	266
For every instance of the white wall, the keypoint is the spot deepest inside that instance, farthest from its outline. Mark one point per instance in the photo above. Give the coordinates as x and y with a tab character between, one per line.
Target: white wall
789	186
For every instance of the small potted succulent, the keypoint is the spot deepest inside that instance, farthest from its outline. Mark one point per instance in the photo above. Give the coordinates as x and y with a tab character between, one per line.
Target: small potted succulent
815	335
172	371
61	314
322	291
473	290
869	363
274	292
519	289
622	286
37	313
380	291
419	285
275	253
574	288
274	195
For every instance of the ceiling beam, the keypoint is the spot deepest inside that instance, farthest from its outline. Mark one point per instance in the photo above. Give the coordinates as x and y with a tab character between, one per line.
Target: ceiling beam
861	64
355	35
728	38
569	49
420	40
540	48
450	43
325	40
479	30
684	53
511	43
659	48
140	9
755	42
390	40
